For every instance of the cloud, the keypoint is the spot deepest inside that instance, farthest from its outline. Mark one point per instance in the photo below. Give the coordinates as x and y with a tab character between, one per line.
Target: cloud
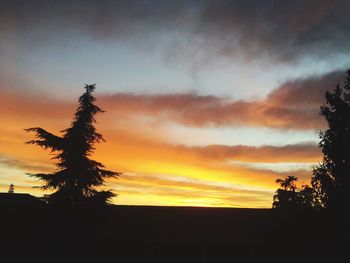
183	192
293	105
24	103
281	31
184	184
171	189
23	165
129	152
305	92
303	152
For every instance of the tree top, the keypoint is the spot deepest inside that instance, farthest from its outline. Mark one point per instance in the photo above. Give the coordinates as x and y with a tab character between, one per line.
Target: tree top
90	87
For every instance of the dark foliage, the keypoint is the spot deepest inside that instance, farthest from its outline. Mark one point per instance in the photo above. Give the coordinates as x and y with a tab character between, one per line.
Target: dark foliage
331	178
77	175
289	196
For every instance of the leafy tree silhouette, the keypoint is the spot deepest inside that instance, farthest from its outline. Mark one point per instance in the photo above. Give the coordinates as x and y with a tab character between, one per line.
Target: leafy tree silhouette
308	198
286	196
331	178
289	196
288	184
77	176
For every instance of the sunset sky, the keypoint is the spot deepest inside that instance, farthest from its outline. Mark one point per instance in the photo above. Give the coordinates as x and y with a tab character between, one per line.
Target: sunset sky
207	102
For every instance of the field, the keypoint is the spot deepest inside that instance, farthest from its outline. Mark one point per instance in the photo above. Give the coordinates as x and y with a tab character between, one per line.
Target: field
169	234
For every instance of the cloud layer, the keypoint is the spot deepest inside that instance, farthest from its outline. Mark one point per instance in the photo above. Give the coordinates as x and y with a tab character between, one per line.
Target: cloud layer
294	105
280	31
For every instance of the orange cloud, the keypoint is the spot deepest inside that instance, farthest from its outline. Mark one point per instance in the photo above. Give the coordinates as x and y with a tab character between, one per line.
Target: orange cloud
304	152
294	105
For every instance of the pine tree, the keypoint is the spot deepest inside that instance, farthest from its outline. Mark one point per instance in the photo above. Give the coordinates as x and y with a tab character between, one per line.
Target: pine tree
77	176
331	178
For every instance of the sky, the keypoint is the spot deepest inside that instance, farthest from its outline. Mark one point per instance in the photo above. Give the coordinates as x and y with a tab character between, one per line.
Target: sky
207	102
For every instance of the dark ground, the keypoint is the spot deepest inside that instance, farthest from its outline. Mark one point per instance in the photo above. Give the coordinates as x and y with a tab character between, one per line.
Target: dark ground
170	234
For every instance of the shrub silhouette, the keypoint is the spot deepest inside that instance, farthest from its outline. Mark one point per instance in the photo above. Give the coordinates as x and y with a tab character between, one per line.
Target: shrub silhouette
77	175
331	178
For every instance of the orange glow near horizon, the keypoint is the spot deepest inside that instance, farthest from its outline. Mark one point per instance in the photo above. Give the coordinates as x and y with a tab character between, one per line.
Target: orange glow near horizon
155	170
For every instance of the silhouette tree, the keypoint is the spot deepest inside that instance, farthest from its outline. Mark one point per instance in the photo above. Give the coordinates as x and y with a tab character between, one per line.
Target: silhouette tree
308	198
286	196
331	178
288	184
291	197
77	175
11	189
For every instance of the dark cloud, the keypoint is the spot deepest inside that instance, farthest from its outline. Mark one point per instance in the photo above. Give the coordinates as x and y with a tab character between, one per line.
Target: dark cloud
279	30
98	19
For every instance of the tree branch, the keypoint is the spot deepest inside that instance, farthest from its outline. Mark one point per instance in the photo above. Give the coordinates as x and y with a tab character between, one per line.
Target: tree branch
46	140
